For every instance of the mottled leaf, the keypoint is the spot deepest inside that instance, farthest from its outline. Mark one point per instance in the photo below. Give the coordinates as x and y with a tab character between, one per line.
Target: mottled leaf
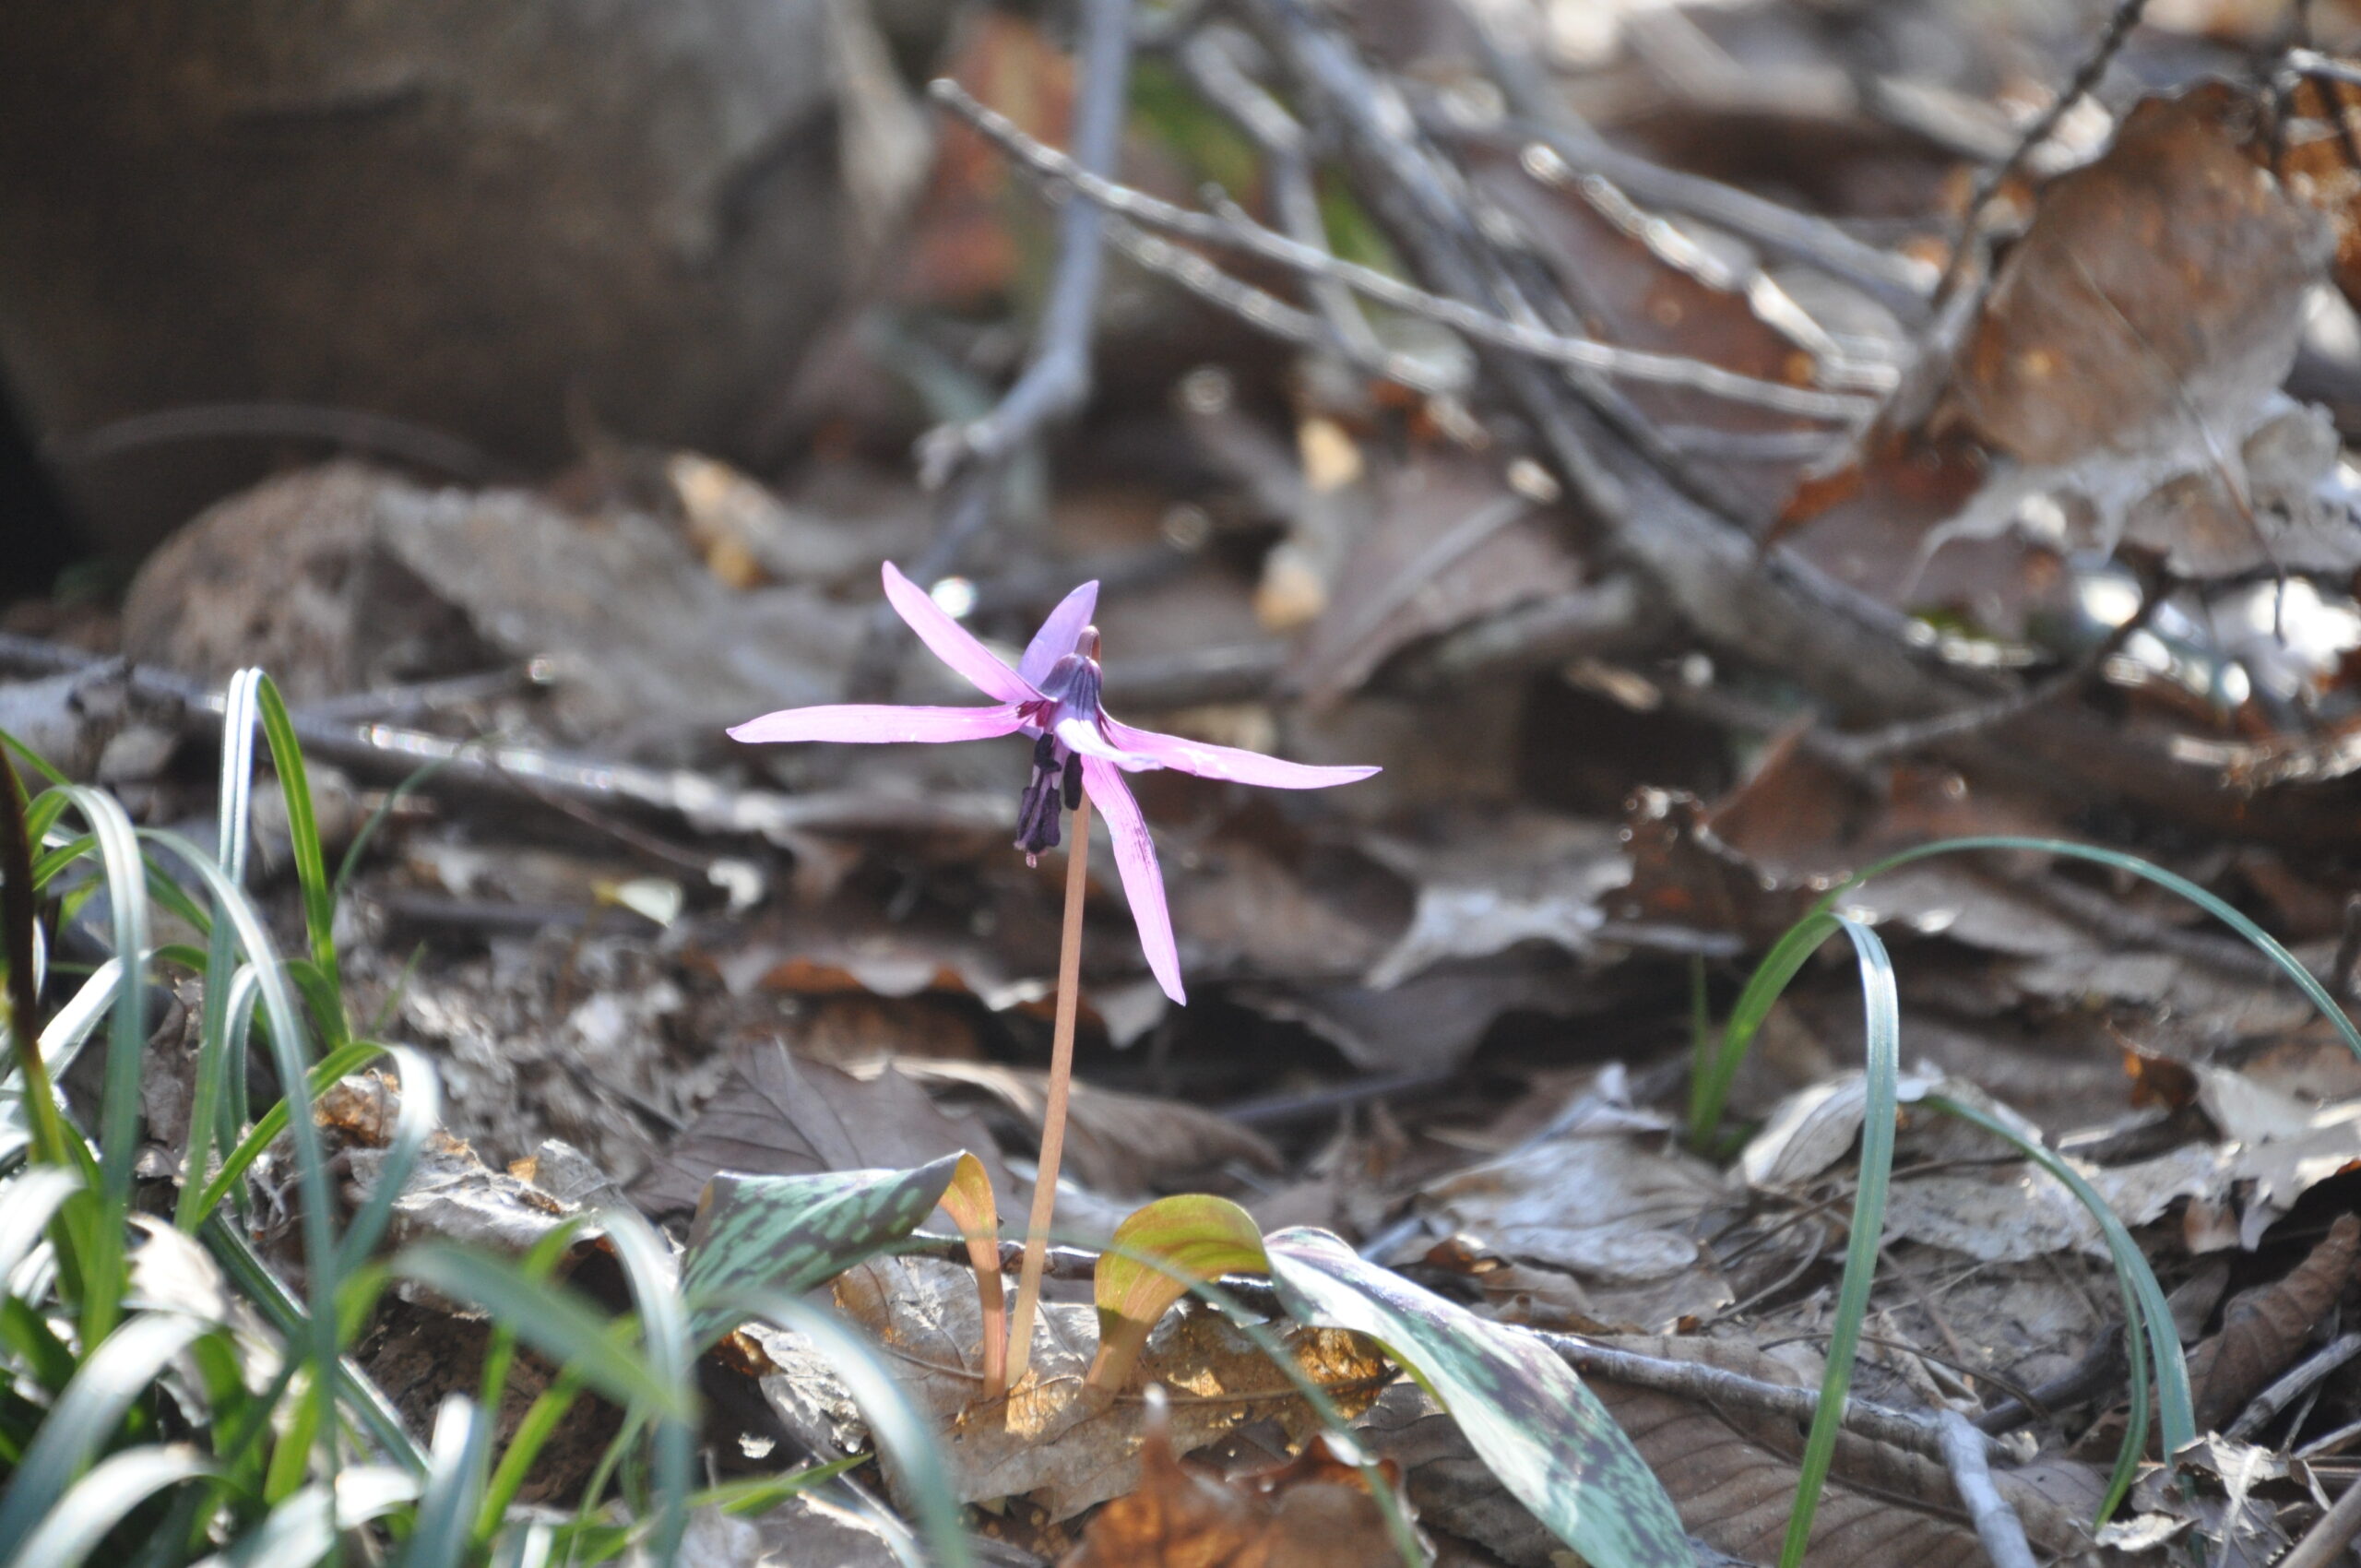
1158	1252
1529	1418
789	1233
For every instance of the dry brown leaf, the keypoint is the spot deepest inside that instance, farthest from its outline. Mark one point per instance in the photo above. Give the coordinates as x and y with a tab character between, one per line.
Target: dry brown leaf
1116	1144
1732	1474
2263	1330
2164	281
1053	1438
1315	1511
776	1117
1449	541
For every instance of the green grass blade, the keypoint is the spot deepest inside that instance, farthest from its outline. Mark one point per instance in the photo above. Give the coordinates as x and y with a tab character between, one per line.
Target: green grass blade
323	1279
100	1244
103	1499
2148	1316
554	1320
311	863
421	1114
118	1372
1882	1088
1710	1091
347	1060
284	1313
664	1328
455	1473
892	1420
28	1202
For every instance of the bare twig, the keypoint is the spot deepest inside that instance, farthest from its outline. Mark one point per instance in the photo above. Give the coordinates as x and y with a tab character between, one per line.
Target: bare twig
1209	60
2291	1386
387	751
1057	380
2324	1543
1995	1523
967	460
2119	23
1710	1384
1235	232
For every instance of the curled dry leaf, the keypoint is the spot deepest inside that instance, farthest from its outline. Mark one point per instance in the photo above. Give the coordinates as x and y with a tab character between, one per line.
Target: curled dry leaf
1315	1510
2263	1330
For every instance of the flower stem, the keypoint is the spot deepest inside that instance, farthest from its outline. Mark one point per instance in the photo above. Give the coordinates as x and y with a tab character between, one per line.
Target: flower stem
1053	1116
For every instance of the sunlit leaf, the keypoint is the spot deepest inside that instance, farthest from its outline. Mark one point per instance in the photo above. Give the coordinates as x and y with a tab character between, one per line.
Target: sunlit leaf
791	1233
1158	1252
1527	1416
103	1499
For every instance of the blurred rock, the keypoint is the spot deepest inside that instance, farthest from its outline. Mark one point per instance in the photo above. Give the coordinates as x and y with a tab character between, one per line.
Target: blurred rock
474	218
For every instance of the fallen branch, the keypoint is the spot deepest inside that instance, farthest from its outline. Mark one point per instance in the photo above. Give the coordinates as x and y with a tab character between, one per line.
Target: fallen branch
1997	1525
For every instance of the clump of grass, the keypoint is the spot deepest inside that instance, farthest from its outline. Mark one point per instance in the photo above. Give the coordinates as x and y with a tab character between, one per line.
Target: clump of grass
2151	1342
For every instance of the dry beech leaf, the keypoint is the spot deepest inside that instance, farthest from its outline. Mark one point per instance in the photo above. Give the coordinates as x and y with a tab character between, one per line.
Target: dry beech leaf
2264	1329
1116	1143
774	1116
1315	1511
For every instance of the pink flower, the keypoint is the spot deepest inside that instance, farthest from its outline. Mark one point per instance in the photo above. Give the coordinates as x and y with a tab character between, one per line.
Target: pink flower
1053	695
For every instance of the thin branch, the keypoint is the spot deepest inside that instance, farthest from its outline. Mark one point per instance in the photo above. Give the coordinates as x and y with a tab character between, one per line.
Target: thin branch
2323	1545
530	773
1712	1384
1051	167
2306	1374
1057	381
1997	1525
1210	62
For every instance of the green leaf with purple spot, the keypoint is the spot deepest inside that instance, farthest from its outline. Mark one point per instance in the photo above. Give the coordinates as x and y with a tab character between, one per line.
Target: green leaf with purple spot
1529	1418
789	1233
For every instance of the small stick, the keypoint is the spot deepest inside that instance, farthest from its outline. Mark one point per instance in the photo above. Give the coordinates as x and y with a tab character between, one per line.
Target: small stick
1995	1523
2292	1386
1053	1118
2325	1542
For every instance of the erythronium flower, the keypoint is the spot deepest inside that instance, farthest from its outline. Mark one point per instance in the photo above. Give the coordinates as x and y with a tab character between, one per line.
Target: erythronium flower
1053	695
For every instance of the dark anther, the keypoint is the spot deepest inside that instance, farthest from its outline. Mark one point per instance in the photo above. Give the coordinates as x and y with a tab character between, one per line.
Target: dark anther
1074	782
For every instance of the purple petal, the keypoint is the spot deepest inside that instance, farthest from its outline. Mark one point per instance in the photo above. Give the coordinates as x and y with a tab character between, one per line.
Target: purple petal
1227	762
1143	882
1058	633
877	724
953	643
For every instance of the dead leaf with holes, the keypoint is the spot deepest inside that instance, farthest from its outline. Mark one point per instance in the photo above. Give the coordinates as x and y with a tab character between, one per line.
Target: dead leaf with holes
1315	1511
1052	1438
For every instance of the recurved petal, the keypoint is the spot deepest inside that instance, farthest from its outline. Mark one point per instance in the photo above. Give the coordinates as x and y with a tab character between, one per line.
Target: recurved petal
1058	633
1208	761
953	643
872	724
1143	880
1081	734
